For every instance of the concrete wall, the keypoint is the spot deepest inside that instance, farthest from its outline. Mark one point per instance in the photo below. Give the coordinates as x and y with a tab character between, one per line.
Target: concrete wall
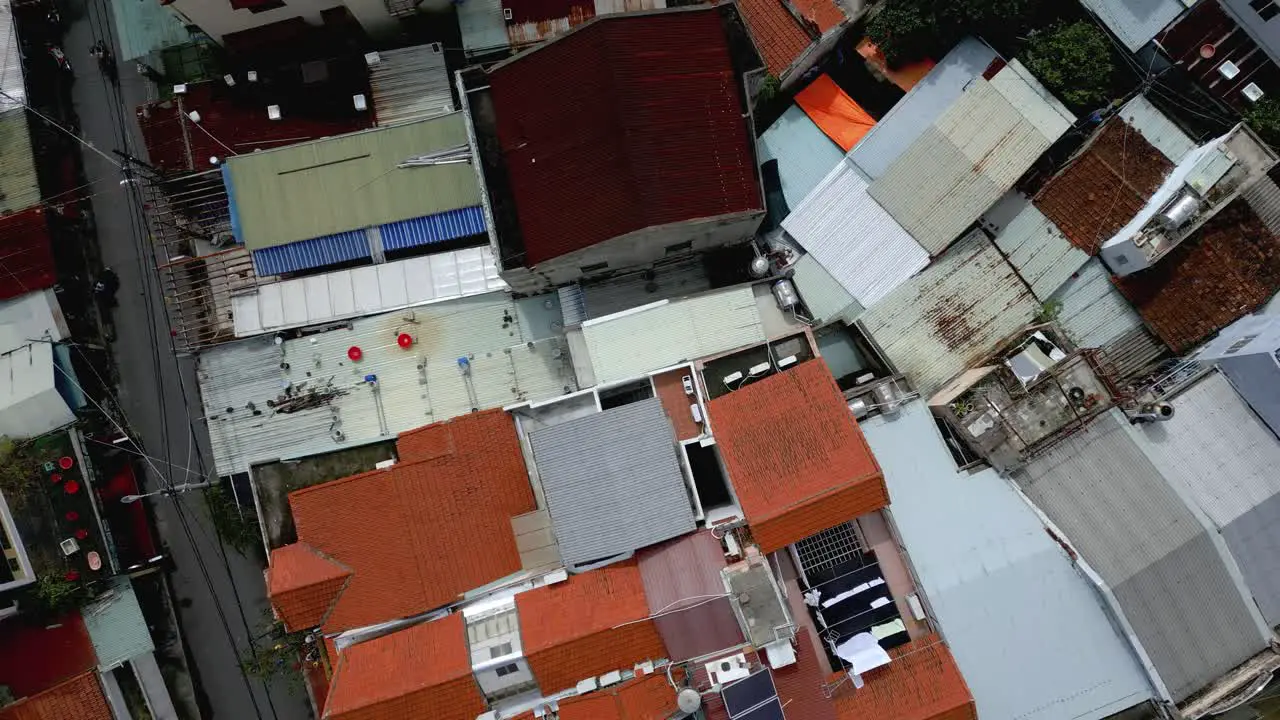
634	250
217	19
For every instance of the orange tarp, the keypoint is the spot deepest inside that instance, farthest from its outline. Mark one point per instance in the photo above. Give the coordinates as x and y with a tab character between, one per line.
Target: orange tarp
904	77
842	119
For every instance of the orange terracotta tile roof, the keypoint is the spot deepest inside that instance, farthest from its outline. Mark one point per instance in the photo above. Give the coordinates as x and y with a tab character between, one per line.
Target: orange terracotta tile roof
79	698
303	584
418	535
649	697
921	683
420	672
779	38
795	455
590	624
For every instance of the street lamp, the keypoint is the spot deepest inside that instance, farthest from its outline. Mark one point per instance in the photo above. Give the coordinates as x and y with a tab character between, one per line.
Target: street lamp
167	492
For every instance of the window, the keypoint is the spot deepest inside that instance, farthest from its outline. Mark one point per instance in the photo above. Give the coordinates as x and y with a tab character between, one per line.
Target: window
498	651
506	670
680	248
596	267
1266	9
257	6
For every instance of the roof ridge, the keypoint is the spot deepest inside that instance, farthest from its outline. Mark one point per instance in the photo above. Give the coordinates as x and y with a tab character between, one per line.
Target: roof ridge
367	473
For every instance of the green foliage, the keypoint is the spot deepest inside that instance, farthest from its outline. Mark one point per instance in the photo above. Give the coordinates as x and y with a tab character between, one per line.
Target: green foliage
17	478
277	653
1049	311
1074	61
52	596
768	88
910	30
1264	118
237	529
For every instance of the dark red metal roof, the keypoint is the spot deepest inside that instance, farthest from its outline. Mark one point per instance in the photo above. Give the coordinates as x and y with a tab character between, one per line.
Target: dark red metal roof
628	122
26	255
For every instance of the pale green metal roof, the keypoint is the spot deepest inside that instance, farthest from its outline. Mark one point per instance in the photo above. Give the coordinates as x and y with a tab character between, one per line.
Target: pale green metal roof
349	182
19	187
116	626
147	26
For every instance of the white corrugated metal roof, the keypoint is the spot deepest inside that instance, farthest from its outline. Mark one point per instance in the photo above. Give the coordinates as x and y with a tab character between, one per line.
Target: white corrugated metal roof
410	84
860	244
804	153
1027	629
1034	245
1135	22
1093	312
12	82
30	404
937	323
825	298
34	316
1156	128
633	342
365	291
505	363
921	106
970	157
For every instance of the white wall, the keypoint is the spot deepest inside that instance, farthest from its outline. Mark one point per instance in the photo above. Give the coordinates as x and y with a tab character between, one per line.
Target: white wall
217	18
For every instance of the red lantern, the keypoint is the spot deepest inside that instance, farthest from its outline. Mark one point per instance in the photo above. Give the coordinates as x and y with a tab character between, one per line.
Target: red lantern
72	576
72	516
55	478
404	340
65	462
72	487
82	534
355	353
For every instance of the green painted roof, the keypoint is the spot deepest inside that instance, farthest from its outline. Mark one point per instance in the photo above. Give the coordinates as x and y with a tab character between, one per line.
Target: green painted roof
349	182
19	187
116	626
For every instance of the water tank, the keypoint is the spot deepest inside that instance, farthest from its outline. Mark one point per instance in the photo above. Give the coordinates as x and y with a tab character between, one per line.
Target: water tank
784	291
1180	210
688	700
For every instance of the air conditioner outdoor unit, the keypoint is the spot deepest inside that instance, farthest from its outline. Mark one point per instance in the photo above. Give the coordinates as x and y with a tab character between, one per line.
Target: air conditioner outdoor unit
1252	91
729	669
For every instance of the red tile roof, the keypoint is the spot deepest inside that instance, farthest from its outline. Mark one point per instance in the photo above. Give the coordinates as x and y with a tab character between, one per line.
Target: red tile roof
1104	187
649	697
627	122
79	698
36	658
231	117
418	535
779	36
303	584
921	683
1230	267
423	671
26	253
795	456
590	624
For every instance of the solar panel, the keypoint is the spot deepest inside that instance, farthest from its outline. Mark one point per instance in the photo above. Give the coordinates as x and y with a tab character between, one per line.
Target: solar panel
744	695
771	710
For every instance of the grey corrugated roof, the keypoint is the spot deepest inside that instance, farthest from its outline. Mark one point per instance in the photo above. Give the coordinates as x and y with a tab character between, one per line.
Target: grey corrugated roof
1093	312
1156	128
116	625
1227	460
612	482
482	26
921	106
12	82
410	84
1027	629
1034	245
1135	22
1151	549
822	294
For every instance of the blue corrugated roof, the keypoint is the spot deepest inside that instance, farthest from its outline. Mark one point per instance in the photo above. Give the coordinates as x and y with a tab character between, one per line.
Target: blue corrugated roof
804	153
313	253
448	225
231	204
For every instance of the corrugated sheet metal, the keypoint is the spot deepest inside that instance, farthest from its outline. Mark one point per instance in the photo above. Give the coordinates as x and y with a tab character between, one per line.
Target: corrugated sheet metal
35	316
825	298
960	166
314	253
679	577
449	225
804	153
1133	353
365	290
19	186
572	303
1033	244
1093	312
483	28
1156	127
116	626
634	342
415	387
668	282
938	322
146	27
1135	22
1263	197
12	78
410	84
611	509
860	244
921	106
1130	525
1017	613
1257	379
1226	459
350	181
1038	106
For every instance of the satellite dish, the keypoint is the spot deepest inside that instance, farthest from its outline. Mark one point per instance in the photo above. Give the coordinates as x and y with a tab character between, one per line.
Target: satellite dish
688	700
